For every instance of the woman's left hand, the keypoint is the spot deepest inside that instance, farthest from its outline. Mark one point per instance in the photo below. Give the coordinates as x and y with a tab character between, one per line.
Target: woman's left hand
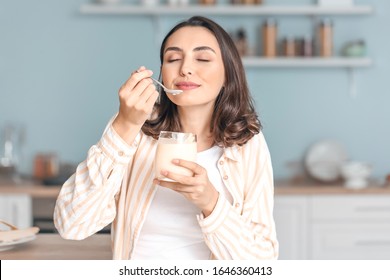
197	189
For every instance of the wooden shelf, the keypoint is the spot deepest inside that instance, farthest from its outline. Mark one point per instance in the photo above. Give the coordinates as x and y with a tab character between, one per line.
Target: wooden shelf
230	10
334	62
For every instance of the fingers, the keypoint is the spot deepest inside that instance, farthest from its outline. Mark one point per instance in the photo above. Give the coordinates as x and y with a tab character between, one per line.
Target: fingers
137	82
175	186
194	167
147	93
182	179
139	91
137	97
138	75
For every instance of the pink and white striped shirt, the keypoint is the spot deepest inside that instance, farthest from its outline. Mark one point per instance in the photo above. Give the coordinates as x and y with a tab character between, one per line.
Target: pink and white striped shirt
115	184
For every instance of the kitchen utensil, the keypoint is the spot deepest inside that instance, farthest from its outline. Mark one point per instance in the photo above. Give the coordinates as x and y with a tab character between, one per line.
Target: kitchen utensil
167	90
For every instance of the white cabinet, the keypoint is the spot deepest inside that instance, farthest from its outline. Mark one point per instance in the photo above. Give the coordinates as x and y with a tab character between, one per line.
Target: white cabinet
350	227
16	209
351	241
290	213
333	227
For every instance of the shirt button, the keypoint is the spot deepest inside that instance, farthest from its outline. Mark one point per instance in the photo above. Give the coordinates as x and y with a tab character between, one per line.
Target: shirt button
237	205
121	153
221	162
225	177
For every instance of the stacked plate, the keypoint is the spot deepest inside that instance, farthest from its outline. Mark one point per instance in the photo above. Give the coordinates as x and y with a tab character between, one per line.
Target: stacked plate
324	160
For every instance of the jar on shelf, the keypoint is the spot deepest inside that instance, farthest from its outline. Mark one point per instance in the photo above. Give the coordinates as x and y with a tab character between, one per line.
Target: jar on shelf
269	35
242	42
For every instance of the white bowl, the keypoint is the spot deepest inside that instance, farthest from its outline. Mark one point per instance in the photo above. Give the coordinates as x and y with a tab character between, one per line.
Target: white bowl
356	174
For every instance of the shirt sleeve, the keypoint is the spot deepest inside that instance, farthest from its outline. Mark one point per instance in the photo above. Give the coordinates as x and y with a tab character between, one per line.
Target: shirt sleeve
248	233
86	202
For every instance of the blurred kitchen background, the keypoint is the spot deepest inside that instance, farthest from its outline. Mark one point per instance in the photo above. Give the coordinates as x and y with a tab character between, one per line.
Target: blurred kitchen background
62	63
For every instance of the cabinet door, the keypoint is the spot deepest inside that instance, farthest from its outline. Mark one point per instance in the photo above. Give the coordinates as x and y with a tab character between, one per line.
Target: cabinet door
17	210
290	213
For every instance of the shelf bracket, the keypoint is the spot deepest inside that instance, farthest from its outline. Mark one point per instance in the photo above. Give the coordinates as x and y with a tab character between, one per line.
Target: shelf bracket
352	82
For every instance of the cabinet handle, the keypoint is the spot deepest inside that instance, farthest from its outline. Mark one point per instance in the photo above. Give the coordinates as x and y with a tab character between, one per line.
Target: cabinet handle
372	243
372	209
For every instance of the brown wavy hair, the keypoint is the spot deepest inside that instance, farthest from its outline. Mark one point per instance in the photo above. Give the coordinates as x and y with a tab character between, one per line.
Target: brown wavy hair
234	120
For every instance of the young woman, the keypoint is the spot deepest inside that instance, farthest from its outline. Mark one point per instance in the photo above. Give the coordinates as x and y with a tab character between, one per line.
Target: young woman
223	211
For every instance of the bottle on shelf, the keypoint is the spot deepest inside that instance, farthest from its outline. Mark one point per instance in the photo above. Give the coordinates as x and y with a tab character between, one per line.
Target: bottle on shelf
288	47
307	47
251	2
207	2
325	38
242	42
246	2
269	32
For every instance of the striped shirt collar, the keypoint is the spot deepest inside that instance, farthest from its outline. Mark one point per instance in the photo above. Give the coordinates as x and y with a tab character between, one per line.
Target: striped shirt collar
233	153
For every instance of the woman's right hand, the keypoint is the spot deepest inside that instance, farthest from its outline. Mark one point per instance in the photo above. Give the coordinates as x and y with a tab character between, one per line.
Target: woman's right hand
137	97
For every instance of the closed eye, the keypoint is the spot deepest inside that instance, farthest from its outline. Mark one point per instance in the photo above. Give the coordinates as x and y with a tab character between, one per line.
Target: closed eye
173	60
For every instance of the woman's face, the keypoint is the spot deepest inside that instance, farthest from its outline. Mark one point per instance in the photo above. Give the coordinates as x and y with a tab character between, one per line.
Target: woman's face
192	62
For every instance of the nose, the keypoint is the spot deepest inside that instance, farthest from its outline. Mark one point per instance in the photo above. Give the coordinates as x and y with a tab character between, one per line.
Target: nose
186	68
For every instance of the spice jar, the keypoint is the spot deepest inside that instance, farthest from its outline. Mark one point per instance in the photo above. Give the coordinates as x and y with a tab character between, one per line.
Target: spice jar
326	38
269	32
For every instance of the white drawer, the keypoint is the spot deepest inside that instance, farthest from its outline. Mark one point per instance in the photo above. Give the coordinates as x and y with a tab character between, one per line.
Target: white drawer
351	207
16	209
350	241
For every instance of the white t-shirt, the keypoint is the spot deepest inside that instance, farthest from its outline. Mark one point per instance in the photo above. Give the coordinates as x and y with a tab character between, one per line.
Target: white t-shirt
171	229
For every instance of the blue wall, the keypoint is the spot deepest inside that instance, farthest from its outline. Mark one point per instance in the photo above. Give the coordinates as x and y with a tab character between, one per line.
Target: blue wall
60	71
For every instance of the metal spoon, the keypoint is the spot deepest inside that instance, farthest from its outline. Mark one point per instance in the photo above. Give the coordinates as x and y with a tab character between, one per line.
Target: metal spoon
167	90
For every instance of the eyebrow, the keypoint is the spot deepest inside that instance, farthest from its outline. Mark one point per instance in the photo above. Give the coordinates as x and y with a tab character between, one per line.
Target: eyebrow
197	49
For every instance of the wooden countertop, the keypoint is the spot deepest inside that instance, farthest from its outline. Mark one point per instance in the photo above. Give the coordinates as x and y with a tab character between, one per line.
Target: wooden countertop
36	191
281	188
312	188
54	247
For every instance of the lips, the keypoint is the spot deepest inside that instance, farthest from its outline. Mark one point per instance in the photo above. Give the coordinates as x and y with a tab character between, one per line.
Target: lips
187	85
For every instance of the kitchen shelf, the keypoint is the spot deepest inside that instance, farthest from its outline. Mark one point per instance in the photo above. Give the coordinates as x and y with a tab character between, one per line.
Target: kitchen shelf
334	62
228	10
